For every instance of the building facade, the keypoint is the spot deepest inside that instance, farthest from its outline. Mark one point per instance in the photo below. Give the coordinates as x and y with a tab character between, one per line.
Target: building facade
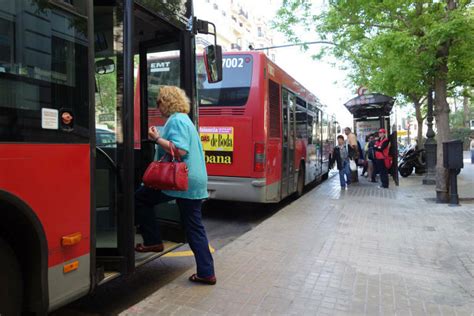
239	28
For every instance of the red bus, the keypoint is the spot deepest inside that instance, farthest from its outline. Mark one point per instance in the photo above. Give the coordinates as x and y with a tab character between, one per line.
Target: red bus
67	191
265	136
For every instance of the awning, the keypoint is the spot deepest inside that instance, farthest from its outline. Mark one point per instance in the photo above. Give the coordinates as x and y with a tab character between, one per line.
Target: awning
370	105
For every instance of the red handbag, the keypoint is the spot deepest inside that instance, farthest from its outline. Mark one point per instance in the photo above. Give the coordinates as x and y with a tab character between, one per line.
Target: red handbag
167	175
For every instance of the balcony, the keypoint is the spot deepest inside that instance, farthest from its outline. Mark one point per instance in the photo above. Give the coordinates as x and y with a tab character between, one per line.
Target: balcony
235	46
244	14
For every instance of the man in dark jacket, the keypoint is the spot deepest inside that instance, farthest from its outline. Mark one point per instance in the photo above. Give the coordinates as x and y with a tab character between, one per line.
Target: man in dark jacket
372	170
340	155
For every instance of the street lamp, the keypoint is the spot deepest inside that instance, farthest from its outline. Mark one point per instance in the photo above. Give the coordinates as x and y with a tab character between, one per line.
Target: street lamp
430	144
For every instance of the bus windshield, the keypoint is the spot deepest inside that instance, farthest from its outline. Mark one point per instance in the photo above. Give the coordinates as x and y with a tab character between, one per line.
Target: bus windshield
234	88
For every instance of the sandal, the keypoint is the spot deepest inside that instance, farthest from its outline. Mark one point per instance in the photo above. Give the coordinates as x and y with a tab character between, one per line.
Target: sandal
209	280
153	248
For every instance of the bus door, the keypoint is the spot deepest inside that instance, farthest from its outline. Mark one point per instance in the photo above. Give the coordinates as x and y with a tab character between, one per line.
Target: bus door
120	58
160	63
317	141
109	69
288	184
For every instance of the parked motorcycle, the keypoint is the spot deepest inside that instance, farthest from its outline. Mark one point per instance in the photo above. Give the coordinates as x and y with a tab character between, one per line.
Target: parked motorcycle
412	158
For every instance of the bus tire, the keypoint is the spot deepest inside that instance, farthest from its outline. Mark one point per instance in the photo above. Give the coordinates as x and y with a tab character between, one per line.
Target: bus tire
300	184
11	289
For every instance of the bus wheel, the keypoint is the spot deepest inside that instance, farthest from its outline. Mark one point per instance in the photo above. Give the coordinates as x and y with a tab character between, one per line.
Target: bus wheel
11	289
300	185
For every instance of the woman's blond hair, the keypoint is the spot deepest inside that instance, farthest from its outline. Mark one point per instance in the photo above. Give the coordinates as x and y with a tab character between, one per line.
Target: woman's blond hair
172	99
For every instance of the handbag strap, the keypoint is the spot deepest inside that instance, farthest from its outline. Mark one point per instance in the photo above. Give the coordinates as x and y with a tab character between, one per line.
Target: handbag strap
175	155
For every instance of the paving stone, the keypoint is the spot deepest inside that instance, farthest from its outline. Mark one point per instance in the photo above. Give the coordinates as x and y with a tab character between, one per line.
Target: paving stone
364	251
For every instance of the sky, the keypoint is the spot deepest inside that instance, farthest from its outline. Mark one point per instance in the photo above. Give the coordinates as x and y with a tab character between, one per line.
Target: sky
327	82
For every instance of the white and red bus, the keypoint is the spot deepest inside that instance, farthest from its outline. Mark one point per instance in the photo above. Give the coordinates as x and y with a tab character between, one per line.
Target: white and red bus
265	136
67	190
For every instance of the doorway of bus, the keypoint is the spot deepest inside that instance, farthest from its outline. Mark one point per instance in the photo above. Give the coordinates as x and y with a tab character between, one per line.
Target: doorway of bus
127	39
288	179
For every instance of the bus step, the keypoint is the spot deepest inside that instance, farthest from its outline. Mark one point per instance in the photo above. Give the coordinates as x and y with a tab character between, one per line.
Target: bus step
109	276
142	258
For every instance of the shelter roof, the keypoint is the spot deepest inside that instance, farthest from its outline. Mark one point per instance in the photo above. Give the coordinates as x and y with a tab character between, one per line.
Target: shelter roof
370	105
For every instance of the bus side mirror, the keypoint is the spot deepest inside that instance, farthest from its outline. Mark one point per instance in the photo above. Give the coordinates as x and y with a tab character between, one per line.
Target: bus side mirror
104	66
213	63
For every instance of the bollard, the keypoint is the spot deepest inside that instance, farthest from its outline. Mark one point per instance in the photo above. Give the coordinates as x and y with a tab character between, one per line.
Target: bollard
452	160
453	190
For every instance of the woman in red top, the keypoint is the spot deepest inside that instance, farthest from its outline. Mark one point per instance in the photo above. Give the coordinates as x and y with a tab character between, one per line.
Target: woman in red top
381	152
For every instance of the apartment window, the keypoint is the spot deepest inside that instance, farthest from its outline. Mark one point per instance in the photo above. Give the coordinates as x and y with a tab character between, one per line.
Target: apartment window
259	31
215	6
224	13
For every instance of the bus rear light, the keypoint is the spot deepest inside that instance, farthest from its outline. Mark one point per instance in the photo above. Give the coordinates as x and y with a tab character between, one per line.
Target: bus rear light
259	161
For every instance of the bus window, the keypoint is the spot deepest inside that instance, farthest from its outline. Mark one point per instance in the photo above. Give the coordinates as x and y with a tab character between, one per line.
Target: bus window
42	73
234	88
164	68
301	125
310	127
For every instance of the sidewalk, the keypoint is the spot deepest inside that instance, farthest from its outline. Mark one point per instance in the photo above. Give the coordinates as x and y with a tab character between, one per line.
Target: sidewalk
364	251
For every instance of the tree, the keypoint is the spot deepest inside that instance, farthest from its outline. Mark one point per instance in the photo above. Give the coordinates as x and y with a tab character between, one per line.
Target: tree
397	47
466	107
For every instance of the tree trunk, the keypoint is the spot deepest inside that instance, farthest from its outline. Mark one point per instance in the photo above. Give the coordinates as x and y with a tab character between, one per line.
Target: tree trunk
465	105
442	127
442	114
419	121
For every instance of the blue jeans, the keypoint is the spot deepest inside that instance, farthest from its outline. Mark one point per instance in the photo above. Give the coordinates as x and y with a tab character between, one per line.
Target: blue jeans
472	156
190	210
345	171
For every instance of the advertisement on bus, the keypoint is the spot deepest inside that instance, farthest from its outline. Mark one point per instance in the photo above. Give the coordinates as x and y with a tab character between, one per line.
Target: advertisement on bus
218	144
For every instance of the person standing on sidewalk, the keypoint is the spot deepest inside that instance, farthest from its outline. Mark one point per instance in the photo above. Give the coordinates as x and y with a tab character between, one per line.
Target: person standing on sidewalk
352	141
472	149
179	129
381	153
371	158
340	155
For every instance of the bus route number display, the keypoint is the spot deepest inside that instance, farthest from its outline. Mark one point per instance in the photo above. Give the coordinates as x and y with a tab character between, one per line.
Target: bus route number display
218	144
234	62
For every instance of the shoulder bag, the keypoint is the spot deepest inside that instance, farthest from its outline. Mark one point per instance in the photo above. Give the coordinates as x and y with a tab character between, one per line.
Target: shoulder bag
167	175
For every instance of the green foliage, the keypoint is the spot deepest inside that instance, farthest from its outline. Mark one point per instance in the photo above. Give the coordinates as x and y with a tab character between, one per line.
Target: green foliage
106	94
456	119
463	134
391	45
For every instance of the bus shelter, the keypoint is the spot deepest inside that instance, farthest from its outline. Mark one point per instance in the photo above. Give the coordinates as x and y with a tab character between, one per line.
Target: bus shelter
372	112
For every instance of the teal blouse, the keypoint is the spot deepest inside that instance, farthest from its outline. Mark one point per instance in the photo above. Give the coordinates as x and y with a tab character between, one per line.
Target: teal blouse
181	131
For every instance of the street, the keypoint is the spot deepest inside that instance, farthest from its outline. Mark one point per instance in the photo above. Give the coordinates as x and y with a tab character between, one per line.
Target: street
224	221
360	251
